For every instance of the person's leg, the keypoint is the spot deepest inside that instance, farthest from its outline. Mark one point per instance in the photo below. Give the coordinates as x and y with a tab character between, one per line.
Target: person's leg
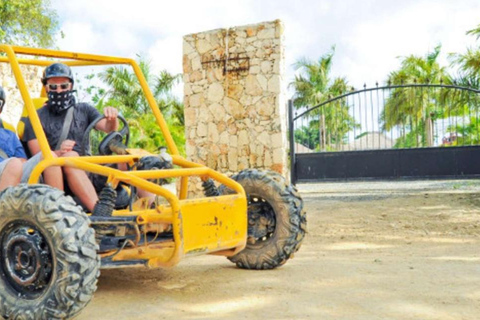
12	173
80	184
51	176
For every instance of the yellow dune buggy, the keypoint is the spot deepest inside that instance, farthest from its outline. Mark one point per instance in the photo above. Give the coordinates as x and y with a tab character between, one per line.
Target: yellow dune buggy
51	251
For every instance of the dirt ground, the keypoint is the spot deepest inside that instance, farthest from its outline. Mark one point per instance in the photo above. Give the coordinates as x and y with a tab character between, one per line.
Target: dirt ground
402	250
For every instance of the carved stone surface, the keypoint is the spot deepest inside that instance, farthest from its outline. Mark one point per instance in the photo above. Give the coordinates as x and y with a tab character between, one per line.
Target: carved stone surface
234	107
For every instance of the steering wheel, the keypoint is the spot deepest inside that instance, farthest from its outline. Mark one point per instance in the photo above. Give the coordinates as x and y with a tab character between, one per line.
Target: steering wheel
121	136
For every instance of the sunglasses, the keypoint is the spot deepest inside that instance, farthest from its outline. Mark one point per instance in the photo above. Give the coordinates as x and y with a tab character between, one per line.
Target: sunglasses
63	86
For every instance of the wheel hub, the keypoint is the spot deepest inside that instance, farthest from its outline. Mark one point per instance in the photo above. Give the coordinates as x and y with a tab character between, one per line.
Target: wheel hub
261	220
26	259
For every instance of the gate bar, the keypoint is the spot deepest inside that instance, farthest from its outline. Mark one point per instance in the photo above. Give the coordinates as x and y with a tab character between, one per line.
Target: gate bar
291	135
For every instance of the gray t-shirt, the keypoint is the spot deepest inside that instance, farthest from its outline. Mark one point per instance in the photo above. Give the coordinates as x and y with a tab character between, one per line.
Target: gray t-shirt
52	123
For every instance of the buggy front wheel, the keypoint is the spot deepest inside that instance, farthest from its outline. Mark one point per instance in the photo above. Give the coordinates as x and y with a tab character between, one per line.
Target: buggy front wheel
276	220
48	255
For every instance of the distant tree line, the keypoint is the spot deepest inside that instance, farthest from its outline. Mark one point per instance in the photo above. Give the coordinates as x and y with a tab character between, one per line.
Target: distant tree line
413	109
35	23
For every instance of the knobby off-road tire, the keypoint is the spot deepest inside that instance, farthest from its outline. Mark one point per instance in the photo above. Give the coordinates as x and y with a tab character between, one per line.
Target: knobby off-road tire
48	255
276	220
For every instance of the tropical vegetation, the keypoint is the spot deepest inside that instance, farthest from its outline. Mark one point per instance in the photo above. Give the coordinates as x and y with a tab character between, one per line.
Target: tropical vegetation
463	103
418	114
122	90
313	85
415	108
28	22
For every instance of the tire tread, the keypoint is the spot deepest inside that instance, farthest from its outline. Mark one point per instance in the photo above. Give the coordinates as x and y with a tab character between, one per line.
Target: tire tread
291	220
73	241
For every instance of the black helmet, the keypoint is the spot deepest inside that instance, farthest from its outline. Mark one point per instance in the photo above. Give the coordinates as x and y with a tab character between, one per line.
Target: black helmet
57	70
2	98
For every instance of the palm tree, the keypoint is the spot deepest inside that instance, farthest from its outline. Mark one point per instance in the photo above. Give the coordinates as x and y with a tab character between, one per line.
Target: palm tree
314	85
468	75
163	86
468	63
126	89
124	92
415	107
475	31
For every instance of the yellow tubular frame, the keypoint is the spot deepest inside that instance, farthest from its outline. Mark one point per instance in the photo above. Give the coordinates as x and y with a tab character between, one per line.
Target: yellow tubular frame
158	255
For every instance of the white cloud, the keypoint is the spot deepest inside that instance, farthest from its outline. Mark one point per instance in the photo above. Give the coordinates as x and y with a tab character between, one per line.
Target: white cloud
373	49
80	37
369	35
166	54
158	17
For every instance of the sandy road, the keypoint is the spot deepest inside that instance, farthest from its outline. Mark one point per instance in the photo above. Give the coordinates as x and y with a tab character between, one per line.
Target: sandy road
374	251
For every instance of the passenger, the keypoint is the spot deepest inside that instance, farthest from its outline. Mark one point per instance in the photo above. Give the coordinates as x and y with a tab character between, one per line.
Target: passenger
58	82
14	167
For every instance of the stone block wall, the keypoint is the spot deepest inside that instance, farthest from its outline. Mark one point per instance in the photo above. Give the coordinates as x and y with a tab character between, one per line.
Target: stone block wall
14	106
235	114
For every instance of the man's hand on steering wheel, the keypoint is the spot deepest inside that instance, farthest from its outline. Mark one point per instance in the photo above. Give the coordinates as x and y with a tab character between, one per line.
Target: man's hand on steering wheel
110	122
110	114
115	136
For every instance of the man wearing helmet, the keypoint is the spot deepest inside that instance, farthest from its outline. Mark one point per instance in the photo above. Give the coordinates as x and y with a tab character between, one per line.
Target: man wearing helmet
58	82
14	167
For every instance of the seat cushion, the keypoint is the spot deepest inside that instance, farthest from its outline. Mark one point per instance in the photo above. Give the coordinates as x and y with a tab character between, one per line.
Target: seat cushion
38	103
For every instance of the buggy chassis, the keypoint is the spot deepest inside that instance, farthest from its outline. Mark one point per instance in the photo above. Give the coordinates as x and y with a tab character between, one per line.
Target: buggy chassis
214	224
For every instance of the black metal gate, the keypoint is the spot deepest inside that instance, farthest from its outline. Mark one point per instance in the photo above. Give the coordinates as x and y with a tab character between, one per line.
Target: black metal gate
416	130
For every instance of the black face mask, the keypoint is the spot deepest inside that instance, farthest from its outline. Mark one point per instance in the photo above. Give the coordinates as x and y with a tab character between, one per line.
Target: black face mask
58	102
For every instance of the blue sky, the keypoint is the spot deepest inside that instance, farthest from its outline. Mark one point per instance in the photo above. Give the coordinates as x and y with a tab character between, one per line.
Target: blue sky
369	35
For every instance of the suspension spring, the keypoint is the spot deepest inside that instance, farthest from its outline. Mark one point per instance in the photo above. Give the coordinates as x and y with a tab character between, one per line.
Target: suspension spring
209	188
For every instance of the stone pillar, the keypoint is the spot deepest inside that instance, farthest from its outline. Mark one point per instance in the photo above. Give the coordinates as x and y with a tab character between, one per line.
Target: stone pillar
14	106
235	114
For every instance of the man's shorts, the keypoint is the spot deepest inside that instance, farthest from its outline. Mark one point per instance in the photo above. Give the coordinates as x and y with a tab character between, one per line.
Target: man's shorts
29	166
27	169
